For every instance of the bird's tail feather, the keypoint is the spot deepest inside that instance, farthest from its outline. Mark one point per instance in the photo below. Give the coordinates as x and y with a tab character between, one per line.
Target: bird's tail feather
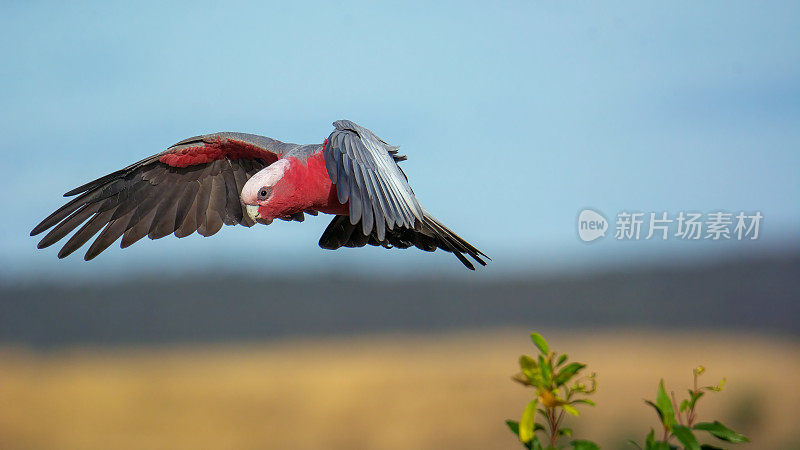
430	235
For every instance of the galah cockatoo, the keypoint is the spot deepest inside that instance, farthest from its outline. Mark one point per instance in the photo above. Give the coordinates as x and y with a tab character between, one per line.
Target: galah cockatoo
228	178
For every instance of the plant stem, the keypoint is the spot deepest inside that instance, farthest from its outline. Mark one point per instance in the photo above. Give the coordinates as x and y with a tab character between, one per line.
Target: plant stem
675	403
691	414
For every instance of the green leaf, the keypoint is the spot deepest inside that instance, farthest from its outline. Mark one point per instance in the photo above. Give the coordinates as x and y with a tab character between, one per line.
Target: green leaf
684	405
535	444
582	444
522	379
513	425
718	387
561	360
526	423
546	370
582	400
570	410
650	440
567	372
632	442
694	397
685	435
665	406
565	432
529	368
658	411
527	363
540	343
721	432
661	446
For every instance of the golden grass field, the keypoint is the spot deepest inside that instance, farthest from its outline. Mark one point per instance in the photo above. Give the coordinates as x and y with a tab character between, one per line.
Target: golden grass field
378	392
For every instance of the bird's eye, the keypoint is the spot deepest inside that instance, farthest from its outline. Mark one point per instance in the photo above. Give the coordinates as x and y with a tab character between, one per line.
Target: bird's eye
263	193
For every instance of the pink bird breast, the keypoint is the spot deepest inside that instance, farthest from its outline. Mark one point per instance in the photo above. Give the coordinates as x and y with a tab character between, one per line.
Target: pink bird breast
296	186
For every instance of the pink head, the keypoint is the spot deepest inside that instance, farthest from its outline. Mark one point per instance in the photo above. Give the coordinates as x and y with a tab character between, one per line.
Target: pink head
261	193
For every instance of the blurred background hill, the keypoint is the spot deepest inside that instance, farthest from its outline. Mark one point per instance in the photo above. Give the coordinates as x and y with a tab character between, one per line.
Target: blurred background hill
751	294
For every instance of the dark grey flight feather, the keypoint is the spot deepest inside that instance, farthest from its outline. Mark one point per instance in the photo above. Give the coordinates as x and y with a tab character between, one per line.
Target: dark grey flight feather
150	198
432	235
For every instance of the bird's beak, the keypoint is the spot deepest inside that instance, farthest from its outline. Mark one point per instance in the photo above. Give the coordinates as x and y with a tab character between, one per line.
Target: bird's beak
252	211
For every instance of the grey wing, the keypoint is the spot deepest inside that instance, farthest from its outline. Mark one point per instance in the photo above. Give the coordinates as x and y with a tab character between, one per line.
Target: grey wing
366	175
192	186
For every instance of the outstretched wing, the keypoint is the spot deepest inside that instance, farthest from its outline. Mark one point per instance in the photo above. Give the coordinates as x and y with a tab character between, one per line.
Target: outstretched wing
192	186
365	171
366	174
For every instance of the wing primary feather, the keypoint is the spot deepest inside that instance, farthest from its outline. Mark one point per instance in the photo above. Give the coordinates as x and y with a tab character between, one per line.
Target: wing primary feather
330	160
385	177
355	195
349	142
59	214
394	203
185	202
233	206
138	228
380	223
89	229
166	214
143	208
189	224
408	222
95	183
129	201
367	220
202	201
104	180
241	177
215	209
345	177
366	206
69	224
110	233
379	205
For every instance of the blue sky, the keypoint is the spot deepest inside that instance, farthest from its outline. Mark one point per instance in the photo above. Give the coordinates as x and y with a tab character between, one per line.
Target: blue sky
514	117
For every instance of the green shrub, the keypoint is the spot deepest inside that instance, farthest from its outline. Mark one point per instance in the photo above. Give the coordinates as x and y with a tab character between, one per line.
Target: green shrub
560	387
682	424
